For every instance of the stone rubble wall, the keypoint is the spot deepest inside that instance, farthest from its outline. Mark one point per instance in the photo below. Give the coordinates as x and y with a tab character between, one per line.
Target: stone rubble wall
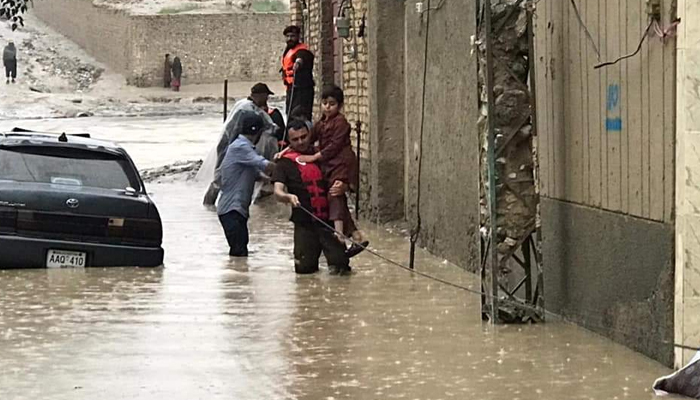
212	47
515	186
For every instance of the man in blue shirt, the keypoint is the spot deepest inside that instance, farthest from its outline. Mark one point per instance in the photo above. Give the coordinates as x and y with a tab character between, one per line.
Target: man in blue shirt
239	170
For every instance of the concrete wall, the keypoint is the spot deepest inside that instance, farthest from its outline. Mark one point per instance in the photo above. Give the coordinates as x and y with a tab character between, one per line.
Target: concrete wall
387	87
450	172
610	273
687	182
606	140
212	47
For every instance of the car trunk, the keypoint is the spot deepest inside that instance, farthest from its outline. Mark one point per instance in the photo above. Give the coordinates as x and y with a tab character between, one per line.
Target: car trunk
77	213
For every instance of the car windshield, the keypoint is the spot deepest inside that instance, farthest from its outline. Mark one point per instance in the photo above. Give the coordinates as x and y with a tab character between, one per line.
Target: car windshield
66	167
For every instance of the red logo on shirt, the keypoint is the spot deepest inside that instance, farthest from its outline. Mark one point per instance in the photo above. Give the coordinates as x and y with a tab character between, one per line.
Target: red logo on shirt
312	177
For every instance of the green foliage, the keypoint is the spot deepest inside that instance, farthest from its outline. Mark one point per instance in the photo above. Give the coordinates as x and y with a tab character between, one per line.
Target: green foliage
12	11
269	6
178	10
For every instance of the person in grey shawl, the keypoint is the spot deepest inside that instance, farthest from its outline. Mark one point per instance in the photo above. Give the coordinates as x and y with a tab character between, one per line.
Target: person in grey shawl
9	59
266	147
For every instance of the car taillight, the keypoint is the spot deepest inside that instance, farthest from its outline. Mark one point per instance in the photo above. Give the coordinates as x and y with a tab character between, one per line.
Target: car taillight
8	219
148	230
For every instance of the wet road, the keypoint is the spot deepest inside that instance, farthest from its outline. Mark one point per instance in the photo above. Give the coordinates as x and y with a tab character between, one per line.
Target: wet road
210	327
151	142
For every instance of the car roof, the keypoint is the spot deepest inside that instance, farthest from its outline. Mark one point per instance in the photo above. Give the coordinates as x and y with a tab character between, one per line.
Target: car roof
81	141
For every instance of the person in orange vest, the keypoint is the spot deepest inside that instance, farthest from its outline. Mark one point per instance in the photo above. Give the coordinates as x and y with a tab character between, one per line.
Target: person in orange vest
297	72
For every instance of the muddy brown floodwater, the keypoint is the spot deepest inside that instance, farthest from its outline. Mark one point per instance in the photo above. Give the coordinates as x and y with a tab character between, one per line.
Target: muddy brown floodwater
209	327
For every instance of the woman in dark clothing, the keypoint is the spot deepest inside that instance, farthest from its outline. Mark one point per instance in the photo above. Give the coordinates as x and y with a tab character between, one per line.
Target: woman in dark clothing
177	74
167	76
9	59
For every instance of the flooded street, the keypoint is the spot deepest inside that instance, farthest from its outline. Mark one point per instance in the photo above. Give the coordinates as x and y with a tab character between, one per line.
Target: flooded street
151	142
210	327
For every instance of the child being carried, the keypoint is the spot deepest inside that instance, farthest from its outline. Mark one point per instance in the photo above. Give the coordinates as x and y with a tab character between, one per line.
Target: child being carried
338	163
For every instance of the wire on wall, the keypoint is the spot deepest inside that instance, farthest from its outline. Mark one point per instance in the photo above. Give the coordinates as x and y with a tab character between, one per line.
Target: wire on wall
639	48
419	222
585	28
437	7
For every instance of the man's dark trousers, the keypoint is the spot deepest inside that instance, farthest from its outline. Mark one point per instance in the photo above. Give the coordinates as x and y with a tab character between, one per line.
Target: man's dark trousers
309	241
236	230
11	69
303	97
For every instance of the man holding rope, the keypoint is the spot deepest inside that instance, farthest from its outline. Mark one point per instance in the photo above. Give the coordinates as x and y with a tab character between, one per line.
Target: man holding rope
302	186
297	72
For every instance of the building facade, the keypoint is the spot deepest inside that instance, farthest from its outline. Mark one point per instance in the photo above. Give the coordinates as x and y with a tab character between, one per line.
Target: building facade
615	145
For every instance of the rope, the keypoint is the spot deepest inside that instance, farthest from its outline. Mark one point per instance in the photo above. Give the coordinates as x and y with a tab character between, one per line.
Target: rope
480	293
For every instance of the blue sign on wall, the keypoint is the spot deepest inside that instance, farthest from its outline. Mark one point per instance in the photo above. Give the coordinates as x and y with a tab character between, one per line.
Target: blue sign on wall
613	120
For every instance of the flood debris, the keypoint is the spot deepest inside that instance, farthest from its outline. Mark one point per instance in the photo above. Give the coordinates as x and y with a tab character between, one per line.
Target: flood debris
181	170
684	382
80	74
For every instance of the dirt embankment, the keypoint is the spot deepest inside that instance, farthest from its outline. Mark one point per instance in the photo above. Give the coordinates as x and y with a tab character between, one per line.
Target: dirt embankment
58	79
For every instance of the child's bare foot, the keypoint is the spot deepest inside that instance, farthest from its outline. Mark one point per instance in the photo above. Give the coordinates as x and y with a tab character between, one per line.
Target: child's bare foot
358	236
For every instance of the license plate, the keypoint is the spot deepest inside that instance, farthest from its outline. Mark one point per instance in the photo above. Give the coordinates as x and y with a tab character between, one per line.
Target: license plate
65	259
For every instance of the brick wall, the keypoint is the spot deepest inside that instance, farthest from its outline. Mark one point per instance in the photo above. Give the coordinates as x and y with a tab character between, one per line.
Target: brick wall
296	12
212	47
356	87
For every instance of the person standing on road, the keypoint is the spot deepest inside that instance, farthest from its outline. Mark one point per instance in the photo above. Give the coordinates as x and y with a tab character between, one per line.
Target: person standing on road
297	72
303	187
241	167
267	146
177	74
9	60
167	68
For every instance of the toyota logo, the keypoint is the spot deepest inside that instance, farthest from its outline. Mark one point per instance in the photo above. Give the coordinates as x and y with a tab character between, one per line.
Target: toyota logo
72	203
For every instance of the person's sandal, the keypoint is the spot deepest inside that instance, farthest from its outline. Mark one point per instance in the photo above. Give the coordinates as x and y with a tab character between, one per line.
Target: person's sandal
356	249
345	271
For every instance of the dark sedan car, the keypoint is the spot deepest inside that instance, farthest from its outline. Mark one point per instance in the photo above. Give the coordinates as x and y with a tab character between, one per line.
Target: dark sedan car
71	201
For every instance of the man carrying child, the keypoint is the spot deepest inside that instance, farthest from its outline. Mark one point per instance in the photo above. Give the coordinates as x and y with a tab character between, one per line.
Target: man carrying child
303	186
